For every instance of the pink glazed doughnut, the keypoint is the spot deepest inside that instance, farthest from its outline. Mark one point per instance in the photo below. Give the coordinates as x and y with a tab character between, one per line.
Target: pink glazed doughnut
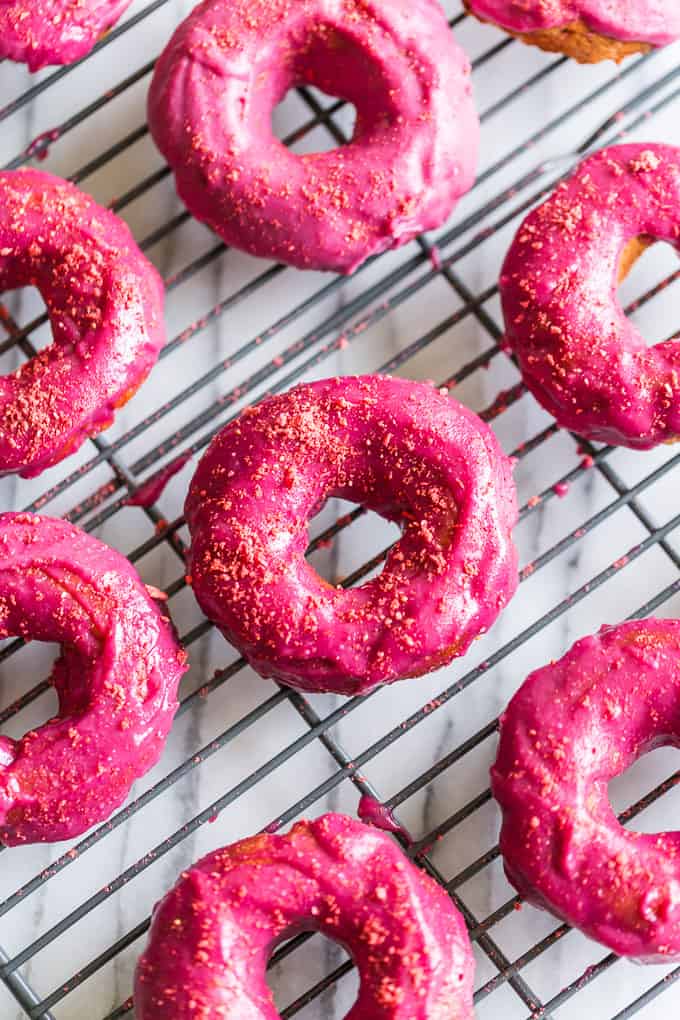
54	31
105	304
116	679
212	935
580	356
569	730
414	149
587	30
397	447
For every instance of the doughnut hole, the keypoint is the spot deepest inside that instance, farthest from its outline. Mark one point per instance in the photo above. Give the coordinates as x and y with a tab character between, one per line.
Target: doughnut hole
303	967
19	307
364	534
648	772
337	66
294	125
634	279
428	525
37	660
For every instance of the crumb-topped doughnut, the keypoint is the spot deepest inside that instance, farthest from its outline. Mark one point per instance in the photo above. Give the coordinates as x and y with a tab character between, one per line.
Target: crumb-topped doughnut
579	354
587	30
570	729
412	155
116	678
42	32
212	935
105	305
397	447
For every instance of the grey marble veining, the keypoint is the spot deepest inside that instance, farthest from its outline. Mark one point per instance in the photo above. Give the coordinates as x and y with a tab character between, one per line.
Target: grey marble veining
374	336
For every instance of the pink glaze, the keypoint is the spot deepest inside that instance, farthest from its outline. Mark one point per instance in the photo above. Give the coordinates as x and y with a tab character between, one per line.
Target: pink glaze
397	447
212	935
105	303
42	32
373	812
116	678
414	149
580	356
151	491
569	730
656	22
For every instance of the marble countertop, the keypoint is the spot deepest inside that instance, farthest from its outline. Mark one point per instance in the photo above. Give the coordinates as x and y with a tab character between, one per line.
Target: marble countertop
313	756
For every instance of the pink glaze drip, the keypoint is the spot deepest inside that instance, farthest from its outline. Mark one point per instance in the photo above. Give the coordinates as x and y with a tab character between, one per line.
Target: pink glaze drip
42	32
40	146
569	730
150	491
212	935
116	679
105	303
414	149
436	257
397	447
656	22
373	812
580	356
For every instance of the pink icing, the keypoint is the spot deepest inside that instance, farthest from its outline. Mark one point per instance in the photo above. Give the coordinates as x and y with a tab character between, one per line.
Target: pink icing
656	22
105	303
151	491
580	356
373	812
116	678
569	730
397	447
43	32
414	149
212	935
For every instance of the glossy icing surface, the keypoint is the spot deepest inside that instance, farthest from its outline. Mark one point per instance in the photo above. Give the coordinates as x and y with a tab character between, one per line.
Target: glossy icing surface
579	354
397	447
105	303
54	31
116	678
656	22
212	935
414	149
571	728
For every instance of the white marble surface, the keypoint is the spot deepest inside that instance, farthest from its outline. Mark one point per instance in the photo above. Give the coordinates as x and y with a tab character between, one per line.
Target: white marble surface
446	725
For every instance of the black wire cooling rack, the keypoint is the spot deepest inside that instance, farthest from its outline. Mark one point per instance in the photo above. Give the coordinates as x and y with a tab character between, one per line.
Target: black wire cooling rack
245	754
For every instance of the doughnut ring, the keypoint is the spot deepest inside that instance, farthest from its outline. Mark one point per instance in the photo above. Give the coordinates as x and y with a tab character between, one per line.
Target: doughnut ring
580	356
212	935
571	728
412	155
105	305
54	31
116	679
396	447
587	30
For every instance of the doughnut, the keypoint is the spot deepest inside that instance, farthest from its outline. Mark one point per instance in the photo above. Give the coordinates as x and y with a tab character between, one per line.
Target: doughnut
105	305
212	935
587	30
570	729
580	356
399	448
116	679
54	31
412	155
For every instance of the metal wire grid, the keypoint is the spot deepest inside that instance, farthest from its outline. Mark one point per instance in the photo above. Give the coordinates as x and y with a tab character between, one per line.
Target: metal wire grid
652	93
